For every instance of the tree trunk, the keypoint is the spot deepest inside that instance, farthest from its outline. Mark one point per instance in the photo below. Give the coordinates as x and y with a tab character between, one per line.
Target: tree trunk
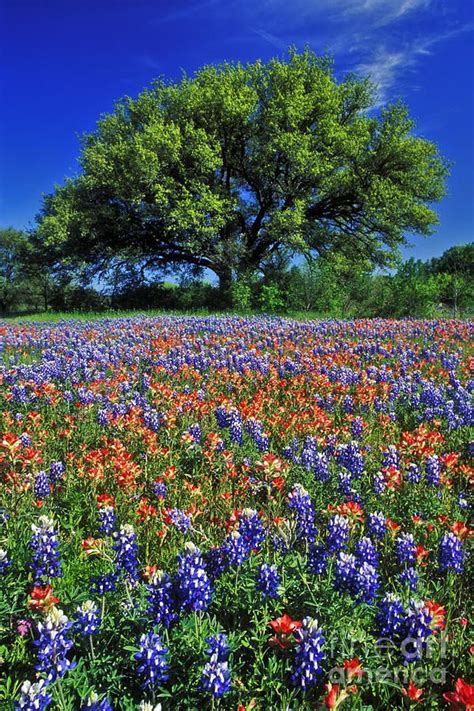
225	280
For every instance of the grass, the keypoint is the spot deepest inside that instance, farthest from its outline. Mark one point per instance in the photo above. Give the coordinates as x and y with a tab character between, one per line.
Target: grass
56	317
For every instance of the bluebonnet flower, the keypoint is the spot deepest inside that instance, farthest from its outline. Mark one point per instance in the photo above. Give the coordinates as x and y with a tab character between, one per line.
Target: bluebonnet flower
412	474
160	489
161	602
151	658
180	519
390	457
331	442
268	580
251	529
126	550
102	584
377	525
236	430
390	617
215	562
348	405
261	439
416	631
308	654
345	572
409	577
107	520
34	697
317	559
235	549
53	645
19	394
379	483
45	543
406	548
433	470
93	703
321	467
337	533
300	503
451	554
25	439
365	552
195	432
87	618
291	452
42	485
56	470
366	582
222	416
255	429
215	676
462	500
357	427
350	457
344	483
152	419
103	418
4	562
193	586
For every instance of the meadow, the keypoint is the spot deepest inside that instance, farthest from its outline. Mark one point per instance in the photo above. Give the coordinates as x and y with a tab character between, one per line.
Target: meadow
235	513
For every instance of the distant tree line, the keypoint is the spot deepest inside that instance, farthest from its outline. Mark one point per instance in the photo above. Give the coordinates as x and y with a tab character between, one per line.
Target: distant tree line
331	285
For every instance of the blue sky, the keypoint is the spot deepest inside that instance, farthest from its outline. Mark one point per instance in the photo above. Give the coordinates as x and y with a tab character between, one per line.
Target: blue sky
68	61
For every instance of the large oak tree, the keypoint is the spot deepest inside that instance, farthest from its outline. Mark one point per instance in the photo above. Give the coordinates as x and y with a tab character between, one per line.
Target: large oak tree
227	168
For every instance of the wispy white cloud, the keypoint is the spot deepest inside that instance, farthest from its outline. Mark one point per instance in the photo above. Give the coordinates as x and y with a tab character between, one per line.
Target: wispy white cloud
189	9
149	62
271	38
384	12
378	38
386	66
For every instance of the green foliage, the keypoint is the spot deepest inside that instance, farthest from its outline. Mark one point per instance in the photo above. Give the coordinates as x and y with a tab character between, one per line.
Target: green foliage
270	298
239	163
242	292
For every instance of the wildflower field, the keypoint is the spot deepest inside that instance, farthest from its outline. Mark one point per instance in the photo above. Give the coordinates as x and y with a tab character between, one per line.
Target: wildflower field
235	513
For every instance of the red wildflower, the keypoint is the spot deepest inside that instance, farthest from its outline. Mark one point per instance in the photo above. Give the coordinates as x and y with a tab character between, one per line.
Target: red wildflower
462	698
283	627
437	613
353	668
105	500
351	509
413	693
251	705
169	473
334	696
421	553
145	510
461	530
149	571
393	526
42	598
450	459
93	546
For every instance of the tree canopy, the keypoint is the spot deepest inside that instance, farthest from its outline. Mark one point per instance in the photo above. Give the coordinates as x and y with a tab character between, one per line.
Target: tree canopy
236	164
